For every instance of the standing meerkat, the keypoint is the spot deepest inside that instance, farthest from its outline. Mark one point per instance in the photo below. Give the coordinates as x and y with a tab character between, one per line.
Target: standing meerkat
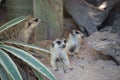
25	33
22	31
74	42
58	51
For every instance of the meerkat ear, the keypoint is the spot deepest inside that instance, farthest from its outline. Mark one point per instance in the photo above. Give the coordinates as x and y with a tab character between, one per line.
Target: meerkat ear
53	44
71	32
29	24
77	32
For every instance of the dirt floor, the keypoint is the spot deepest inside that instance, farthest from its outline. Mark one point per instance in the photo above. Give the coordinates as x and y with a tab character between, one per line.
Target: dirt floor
89	67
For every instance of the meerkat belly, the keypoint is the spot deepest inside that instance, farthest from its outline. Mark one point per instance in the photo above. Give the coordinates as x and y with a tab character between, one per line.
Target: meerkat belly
57	53
72	44
63	54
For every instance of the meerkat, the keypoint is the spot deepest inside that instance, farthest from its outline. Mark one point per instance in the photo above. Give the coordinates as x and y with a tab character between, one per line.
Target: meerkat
20	32
26	32
58	51
74	42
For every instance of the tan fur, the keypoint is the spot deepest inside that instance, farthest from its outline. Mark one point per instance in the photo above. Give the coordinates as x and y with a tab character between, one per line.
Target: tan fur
20	32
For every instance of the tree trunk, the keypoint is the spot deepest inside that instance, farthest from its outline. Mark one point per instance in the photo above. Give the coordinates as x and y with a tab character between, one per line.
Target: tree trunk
51	12
88	15
17	8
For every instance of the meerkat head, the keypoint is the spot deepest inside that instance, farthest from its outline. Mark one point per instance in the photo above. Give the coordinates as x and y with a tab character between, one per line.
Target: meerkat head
76	33
29	24
32	22
58	43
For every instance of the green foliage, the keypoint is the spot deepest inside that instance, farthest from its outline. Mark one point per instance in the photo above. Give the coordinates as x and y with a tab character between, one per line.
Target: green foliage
8	68
12	23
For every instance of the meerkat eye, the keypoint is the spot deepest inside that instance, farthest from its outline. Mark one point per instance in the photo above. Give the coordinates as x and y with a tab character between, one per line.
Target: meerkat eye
29	24
76	32
36	20
58	42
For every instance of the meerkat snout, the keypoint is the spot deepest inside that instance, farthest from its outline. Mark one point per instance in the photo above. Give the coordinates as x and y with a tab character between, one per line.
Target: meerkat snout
36	19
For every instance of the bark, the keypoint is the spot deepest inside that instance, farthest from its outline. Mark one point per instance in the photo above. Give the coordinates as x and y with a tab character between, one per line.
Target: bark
88	15
51	12
16	8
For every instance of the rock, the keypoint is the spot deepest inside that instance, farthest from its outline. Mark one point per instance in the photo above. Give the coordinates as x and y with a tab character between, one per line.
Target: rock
108	44
112	23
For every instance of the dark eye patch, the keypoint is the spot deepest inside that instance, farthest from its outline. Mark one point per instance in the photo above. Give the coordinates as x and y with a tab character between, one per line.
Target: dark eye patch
58	42
36	20
29	24
76	32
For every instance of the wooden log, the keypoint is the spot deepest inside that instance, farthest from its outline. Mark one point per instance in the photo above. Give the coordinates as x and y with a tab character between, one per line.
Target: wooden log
88	15
51	12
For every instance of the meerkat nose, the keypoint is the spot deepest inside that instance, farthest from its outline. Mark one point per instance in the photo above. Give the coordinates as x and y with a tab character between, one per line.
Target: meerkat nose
63	46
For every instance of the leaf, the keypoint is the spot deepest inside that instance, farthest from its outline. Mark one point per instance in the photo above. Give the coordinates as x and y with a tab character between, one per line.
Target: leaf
9	66
30	60
12	23
28	45
3	74
39	76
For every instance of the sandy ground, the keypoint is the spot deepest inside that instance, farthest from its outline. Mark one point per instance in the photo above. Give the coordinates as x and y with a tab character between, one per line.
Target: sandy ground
88	67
